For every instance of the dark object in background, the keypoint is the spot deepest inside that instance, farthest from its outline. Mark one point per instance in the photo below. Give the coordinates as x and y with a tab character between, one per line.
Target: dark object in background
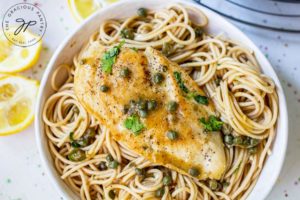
279	15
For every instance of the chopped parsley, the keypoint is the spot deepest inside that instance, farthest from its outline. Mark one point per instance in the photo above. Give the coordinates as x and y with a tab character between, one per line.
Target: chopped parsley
198	98
201	99
109	57
134	124
179	81
212	124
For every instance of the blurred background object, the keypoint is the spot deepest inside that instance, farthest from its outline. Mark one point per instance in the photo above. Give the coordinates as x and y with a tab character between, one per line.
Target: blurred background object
280	15
81	9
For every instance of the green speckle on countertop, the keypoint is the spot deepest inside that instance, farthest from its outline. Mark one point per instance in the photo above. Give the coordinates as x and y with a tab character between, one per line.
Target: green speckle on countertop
8	180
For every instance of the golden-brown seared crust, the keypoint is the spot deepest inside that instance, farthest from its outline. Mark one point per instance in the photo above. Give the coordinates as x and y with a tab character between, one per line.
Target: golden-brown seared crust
193	148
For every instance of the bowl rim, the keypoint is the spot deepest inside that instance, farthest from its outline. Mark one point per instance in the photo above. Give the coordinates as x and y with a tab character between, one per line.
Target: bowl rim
62	188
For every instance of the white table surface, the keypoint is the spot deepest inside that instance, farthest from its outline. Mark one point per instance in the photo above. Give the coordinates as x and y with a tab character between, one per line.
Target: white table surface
22	176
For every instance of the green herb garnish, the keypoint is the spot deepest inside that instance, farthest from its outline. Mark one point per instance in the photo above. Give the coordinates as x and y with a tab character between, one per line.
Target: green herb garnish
134	124
213	123
198	98
179	81
201	99
109	57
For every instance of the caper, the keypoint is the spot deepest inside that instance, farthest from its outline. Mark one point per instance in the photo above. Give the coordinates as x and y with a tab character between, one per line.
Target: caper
164	68
90	133
198	31
172	106
82	142
172	135
143	113
228	139
151	105
225	184
77	155
158	78
165	171
246	141
226	129
132	103
167	180
125	109
113	164
167	49
111	194
238	140
140	172
142	12
254	142
87	139
75	144
218	81
104	88
127	34
109	158
102	166
252	150
142	104
194	172
124	72
213	184
160	192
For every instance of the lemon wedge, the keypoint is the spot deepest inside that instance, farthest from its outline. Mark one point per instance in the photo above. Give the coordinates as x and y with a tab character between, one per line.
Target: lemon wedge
17	100
81	9
16	59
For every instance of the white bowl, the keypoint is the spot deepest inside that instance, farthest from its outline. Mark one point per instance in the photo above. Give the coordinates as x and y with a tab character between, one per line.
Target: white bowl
217	24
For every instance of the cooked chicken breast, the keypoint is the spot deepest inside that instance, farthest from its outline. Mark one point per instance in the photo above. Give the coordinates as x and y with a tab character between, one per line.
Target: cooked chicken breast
152	106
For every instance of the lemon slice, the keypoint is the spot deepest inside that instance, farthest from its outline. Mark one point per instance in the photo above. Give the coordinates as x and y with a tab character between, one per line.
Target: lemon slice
17	99
81	9
14	58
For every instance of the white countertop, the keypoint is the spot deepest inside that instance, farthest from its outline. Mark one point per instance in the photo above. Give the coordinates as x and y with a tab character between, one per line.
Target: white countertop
23	178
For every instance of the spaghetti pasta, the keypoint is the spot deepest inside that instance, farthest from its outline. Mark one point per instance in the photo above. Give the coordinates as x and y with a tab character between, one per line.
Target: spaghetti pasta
228	72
